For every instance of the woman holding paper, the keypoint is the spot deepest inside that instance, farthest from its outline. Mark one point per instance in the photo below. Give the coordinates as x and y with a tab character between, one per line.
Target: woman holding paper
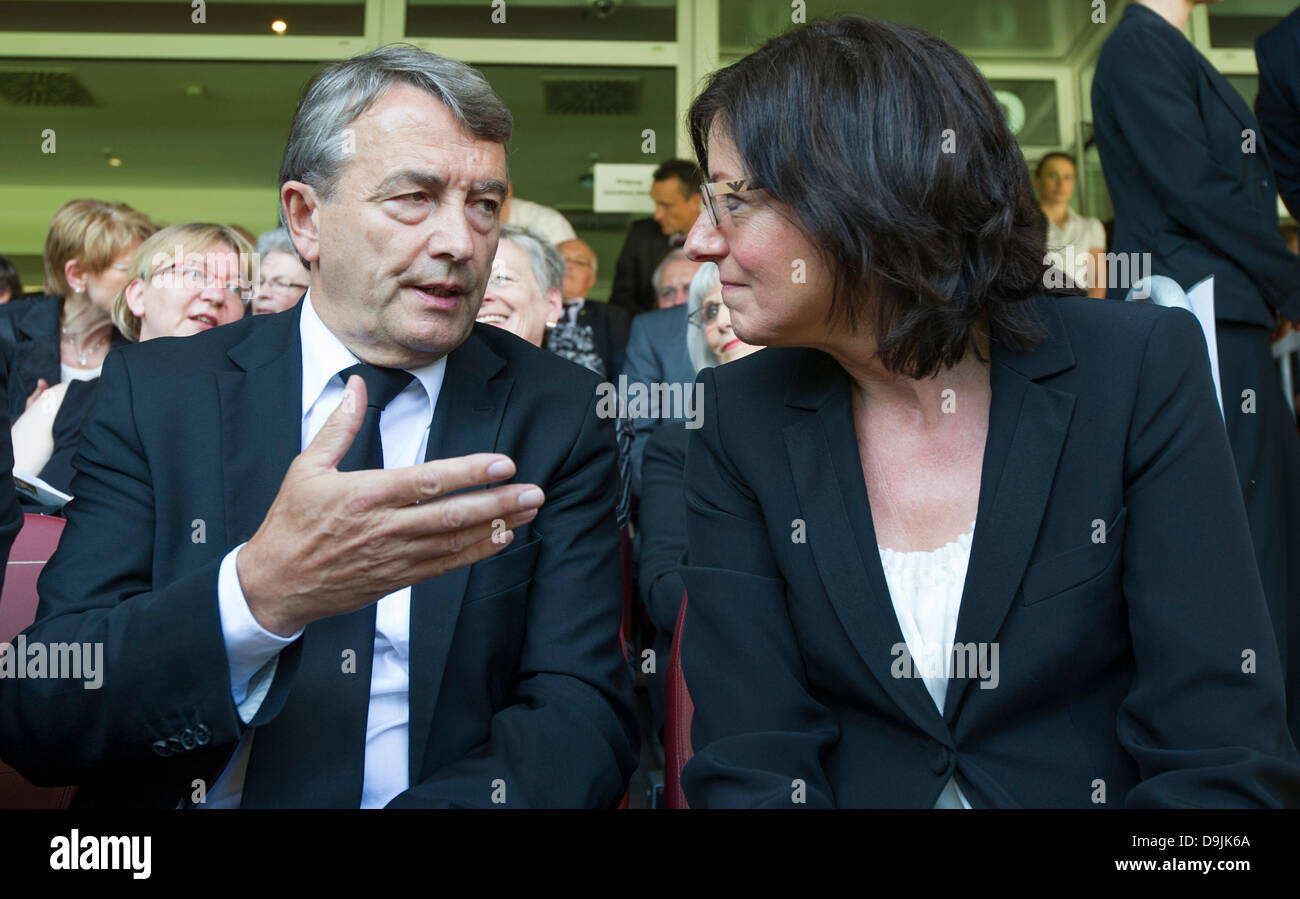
1195	195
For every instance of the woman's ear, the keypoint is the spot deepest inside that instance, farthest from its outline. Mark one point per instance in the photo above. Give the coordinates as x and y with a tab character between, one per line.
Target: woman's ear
75	277
134	293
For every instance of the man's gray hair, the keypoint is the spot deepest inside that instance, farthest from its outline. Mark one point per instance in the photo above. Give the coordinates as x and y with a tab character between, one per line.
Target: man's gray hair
320	141
672	256
277	240
545	261
706	283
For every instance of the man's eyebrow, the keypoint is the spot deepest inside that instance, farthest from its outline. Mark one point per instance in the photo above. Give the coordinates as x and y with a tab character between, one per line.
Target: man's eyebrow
491	186
422	179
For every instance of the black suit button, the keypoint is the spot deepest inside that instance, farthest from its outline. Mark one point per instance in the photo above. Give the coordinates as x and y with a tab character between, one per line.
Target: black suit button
160	748
175	745
187	739
940	760
202	735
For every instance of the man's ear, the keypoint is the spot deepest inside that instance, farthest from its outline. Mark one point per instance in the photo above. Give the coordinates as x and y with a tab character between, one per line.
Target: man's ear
134	294
75	277
301	204
554	305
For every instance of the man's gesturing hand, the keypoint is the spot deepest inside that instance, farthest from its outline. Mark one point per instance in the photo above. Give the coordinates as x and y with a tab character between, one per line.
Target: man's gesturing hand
335	541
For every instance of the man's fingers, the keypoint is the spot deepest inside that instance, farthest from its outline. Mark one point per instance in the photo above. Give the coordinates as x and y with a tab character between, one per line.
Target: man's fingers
335	436
449	514
468	556
427	532
408	486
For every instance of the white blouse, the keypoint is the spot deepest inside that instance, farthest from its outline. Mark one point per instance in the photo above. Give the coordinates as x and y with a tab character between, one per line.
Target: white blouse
925	589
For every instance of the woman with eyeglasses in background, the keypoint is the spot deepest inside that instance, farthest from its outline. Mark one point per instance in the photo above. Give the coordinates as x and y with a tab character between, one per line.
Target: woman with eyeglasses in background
65	333
184	280
710	341
282	279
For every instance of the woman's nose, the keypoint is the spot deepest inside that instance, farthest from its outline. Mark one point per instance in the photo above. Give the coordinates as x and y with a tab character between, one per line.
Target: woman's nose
704	243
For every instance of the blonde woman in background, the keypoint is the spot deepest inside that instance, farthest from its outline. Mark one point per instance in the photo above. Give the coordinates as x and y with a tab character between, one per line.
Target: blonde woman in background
65	333
181	281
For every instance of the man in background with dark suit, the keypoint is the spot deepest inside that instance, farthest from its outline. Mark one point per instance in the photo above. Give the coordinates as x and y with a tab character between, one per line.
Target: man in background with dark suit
677	198
604	326
1277	105
295	611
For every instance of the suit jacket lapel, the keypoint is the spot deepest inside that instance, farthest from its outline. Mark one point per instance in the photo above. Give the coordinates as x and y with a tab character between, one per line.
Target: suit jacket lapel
261	414
467	420
1233	100
1028	423
833	498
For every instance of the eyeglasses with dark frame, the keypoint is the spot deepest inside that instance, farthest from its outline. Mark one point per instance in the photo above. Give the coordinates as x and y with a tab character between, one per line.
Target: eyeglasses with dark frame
716	189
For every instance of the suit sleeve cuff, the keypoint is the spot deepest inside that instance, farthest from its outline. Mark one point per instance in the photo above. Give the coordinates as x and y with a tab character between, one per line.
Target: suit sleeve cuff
251	650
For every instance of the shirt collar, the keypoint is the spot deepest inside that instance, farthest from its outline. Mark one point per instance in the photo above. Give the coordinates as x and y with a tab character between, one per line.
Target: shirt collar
324	356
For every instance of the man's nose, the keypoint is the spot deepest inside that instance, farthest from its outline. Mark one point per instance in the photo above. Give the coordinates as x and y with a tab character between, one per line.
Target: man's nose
451	233
704	243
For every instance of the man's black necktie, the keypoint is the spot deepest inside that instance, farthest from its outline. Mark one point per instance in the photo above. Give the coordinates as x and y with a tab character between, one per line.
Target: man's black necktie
312	755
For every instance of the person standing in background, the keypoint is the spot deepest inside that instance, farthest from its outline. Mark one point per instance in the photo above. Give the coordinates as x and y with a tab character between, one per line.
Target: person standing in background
676	195
1075	238
1195	195
1277	105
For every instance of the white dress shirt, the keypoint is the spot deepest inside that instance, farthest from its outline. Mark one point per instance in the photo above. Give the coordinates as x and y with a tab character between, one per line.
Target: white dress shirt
926	588
253	651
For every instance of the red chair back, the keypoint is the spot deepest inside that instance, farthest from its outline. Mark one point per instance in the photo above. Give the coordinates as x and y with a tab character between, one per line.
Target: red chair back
678	712
32	548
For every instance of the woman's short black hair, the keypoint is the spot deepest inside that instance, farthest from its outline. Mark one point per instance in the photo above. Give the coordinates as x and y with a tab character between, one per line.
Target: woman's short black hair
890	148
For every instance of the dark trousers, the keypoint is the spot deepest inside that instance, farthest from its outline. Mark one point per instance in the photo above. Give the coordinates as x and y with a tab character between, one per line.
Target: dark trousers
1266	448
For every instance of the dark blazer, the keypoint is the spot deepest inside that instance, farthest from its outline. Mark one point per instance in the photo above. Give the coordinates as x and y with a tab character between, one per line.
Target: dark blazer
29	340
645	246
610	326
656	354
1277	105
516	671
662	524
1119	662
1170	130
29	344
11	516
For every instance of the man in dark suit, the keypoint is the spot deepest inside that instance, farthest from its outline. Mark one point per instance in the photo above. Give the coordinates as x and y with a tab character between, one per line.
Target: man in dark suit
1192	188
656	354
1277	105
677	197
286	624
608	325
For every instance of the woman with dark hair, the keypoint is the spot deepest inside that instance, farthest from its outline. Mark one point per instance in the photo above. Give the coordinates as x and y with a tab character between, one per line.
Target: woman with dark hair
952	542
